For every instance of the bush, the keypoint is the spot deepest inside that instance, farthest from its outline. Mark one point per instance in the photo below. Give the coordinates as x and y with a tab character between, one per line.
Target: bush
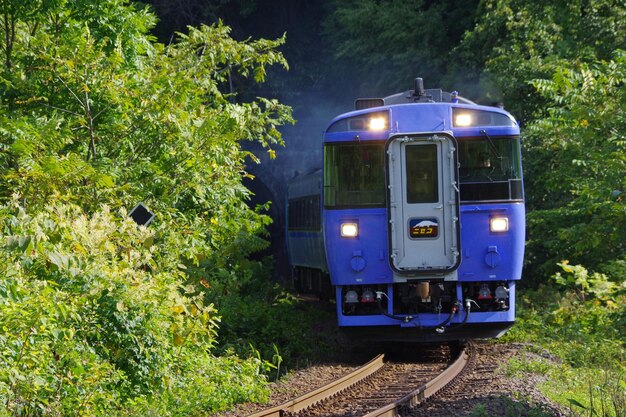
100	316
94	321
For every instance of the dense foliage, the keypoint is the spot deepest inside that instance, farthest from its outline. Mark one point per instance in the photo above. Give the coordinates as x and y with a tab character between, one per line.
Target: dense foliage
100	316
577	166
517	41
577	343
380	46
95	322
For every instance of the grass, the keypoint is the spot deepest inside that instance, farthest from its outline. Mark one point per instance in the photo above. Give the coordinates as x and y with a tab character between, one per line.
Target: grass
584	391
511	407
577	345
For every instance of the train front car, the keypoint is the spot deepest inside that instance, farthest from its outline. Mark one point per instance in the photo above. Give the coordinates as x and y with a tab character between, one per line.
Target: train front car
424	218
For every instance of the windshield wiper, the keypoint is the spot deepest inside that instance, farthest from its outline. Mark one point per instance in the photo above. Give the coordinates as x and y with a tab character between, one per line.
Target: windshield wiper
492	145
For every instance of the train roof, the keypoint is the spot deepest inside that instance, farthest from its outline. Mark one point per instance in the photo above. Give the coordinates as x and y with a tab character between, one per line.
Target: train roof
417	95
423	117
433	105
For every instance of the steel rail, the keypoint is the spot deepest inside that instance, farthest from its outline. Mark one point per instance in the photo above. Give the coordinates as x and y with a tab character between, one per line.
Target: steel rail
317	395
425	391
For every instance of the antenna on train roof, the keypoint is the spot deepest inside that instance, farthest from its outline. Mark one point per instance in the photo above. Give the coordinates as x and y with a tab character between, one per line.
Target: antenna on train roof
419	87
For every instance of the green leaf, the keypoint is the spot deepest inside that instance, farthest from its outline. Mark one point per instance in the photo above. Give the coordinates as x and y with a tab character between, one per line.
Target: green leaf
59	260
576	403
20	243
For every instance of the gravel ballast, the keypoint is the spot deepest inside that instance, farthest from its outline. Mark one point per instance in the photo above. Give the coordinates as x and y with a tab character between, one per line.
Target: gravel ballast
485	390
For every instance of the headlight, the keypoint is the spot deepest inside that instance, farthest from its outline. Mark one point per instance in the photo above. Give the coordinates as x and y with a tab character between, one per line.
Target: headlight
349	229
499	224
463	117
463	120
378	123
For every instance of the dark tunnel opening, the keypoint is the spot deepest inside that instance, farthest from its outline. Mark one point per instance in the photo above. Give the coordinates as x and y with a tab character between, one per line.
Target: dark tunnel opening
277	249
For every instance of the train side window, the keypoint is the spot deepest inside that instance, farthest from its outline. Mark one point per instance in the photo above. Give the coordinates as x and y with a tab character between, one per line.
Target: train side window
305	213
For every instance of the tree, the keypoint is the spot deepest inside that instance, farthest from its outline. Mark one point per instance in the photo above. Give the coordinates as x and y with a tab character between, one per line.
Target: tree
577	165
380	46
515	41
100	316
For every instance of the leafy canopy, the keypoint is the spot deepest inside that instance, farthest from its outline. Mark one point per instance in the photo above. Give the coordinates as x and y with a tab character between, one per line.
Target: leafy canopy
99	316
577	163
386	44
516	41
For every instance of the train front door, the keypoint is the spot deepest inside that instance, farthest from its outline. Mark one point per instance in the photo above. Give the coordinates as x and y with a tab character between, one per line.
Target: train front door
423	205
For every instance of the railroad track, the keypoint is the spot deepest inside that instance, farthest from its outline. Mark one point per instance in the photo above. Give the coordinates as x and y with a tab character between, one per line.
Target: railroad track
377	389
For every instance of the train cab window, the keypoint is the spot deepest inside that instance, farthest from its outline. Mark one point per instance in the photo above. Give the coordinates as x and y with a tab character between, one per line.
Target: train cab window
490	169
354	175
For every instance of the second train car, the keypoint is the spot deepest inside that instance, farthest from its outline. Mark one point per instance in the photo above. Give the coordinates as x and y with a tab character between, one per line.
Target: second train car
415	225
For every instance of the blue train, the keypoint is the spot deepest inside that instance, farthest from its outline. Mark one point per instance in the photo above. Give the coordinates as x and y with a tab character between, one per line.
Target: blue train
415	225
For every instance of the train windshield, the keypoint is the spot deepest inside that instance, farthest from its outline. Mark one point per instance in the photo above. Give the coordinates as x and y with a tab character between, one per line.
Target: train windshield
490	169
354	175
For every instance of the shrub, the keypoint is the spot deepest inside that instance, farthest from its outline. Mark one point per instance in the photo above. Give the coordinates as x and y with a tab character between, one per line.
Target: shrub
94	320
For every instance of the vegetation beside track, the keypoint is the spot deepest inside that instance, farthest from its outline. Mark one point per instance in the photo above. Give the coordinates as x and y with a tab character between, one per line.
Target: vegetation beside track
573	332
